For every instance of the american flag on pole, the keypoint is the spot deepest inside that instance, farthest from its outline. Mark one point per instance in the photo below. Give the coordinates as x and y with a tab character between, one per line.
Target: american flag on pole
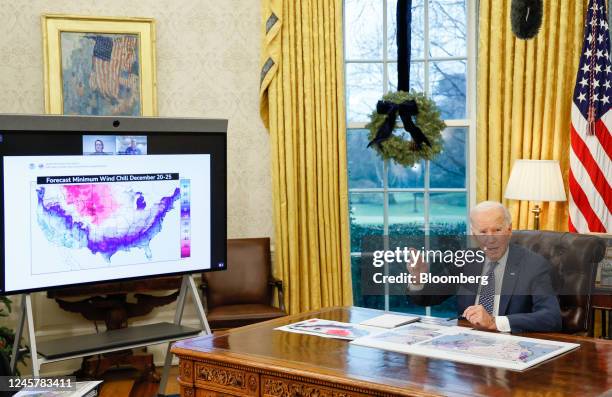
114	65
590	173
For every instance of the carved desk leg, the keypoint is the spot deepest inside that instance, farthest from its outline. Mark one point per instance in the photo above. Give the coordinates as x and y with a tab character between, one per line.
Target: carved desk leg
185	377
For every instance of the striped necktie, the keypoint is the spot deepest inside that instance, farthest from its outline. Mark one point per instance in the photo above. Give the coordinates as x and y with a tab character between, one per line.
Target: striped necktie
487	292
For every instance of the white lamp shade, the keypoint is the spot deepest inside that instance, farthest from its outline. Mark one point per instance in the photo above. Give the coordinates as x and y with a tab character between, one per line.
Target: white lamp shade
535	180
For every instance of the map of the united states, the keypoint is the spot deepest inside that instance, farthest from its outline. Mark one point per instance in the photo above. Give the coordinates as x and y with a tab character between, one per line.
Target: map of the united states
104	218
489	347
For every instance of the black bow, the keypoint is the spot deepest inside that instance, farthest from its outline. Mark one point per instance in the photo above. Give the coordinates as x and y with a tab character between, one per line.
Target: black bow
406	110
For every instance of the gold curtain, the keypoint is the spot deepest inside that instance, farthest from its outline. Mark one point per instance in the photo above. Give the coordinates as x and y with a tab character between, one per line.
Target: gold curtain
525	93
302	105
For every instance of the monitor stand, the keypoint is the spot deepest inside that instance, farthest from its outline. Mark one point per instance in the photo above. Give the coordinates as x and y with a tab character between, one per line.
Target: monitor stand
113	340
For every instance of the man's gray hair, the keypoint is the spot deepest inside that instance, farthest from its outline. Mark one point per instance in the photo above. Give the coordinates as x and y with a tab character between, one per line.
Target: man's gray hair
489	205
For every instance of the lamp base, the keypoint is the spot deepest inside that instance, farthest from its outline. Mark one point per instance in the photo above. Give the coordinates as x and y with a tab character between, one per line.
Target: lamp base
536	217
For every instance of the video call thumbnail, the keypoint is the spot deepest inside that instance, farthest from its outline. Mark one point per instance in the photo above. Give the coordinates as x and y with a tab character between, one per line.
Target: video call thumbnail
96	145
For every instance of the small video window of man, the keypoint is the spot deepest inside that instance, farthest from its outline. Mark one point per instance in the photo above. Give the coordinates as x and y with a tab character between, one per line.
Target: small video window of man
131	145
99	145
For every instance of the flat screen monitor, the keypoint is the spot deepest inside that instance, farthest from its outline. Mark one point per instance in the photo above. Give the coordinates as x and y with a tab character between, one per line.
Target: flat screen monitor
100	199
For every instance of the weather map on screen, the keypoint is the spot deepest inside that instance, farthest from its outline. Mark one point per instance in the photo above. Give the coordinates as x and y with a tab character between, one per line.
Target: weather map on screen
105	218
87	216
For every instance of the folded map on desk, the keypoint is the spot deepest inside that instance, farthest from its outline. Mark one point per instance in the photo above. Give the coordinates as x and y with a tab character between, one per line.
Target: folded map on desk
329	329
467	345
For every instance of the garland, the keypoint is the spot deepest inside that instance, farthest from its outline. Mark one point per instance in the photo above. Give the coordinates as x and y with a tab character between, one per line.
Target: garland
400	148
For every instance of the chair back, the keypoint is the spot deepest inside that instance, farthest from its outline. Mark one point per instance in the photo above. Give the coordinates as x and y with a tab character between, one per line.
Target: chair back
574	258
246	279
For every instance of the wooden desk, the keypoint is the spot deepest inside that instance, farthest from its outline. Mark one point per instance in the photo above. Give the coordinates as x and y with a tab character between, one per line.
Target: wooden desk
258	361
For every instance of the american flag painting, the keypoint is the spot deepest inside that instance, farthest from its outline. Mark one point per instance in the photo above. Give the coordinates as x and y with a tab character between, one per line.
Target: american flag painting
112	65
100	74
590	175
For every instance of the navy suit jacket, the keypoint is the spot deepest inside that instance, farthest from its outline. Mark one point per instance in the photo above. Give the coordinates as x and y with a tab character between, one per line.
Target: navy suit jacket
527	296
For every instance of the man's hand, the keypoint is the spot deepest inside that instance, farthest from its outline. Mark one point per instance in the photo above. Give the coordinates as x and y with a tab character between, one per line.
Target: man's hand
480	318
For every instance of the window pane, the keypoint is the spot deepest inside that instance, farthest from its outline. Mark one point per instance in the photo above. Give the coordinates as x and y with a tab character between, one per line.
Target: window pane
365	167
446	309
417	40
364	86
392	76
366	214
447	170
406	218
363	29
359	299
406	177
448	88
406	214
403	304
416	76
448	213
447	28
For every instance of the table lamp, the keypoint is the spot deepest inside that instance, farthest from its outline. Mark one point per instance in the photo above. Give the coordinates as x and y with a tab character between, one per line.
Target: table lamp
535	180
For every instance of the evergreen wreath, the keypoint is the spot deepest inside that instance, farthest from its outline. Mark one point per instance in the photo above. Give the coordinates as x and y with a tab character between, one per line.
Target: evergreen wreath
401	148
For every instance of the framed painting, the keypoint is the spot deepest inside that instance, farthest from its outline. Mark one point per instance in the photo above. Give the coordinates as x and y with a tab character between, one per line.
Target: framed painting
99	65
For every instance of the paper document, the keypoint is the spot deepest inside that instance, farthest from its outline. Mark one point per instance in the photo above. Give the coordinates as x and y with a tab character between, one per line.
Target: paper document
83	389
329	329
467	346
403	336
390	320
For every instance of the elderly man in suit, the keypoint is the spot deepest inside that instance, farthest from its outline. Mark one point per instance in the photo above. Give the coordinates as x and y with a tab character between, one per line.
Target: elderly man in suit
518	295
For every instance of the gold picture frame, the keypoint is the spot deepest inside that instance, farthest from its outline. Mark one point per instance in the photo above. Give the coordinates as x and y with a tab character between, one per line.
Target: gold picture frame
99	65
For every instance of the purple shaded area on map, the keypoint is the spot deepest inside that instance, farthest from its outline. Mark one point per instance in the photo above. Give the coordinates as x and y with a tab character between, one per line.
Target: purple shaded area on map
140	201
61	228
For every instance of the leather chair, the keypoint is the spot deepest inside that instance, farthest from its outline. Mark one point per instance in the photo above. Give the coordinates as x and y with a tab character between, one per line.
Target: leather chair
244	293
574	259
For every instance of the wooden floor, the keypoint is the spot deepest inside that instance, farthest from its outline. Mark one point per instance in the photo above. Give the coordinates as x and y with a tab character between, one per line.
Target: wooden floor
122	383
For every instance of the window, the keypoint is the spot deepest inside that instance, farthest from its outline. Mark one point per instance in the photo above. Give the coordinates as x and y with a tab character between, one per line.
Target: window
432	196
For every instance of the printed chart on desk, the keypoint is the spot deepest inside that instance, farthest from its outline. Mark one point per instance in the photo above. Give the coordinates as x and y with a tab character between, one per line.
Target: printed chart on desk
466	345
93	215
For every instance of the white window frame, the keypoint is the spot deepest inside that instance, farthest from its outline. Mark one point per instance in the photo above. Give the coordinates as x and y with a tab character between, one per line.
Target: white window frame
469	122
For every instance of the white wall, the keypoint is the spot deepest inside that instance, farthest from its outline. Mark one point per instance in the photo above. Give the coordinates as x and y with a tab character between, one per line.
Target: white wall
207	66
